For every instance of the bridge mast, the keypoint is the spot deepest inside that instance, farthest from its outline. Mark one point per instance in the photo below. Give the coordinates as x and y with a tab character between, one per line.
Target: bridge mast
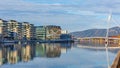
107	31
107	38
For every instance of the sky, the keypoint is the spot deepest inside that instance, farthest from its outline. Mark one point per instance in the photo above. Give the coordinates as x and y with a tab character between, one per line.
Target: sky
71	15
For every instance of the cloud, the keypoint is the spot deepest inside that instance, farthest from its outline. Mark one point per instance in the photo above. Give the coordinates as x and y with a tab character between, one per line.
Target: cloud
72	15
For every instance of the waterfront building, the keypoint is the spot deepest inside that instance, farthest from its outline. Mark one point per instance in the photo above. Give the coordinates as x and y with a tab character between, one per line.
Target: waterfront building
64	32
53	32
49	32
115	40
14	29
40	32
3	28
117	36
65	36
28	31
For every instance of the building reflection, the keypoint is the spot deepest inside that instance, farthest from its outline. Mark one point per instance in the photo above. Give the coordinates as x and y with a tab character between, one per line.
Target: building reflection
1	57
26	53
40	50
12	56
65	47
14	53
53	50
48	50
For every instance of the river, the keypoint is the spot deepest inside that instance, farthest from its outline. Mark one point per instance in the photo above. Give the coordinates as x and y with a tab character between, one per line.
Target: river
55	55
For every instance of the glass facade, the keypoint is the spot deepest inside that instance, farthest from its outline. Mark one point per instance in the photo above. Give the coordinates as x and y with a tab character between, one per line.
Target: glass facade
50	32
40	32
13	30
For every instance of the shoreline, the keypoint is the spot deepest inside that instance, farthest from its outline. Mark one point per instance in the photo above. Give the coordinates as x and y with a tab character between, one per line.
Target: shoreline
98	47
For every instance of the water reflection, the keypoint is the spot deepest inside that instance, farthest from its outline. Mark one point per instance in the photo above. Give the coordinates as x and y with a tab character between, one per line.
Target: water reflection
14	53
45	50
99	47
27	52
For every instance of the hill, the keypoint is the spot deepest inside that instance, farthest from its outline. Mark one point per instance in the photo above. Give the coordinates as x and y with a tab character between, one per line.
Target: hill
96	32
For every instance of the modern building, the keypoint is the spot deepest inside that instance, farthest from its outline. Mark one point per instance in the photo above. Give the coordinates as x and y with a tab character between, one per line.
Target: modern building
64	31
3	28
49	32
40	32
65	36
53	32
28	31
14	29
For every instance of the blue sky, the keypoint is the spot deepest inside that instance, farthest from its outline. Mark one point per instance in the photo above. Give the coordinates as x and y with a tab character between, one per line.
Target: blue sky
71	15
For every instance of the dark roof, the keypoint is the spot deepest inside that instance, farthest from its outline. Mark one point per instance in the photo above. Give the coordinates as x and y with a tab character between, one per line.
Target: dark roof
53	26
32	24
39	26
3	20
25	22
13	20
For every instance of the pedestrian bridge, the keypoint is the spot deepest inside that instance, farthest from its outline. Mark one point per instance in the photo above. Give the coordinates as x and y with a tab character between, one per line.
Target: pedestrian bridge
100	39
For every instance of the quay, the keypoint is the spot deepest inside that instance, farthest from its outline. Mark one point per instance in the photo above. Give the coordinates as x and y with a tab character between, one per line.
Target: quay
100	40
96	47
55	41
40	41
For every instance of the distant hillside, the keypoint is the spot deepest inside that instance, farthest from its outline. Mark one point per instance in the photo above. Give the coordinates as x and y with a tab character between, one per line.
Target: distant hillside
96	32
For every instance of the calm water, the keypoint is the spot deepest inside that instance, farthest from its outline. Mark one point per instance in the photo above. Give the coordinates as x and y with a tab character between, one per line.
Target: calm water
54	56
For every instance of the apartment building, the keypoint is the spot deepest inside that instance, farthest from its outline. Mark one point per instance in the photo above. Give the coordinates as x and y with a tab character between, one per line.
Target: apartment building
3	28
28	30
14	29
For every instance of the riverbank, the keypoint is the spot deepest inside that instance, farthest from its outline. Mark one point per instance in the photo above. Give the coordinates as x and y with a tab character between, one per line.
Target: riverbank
38	41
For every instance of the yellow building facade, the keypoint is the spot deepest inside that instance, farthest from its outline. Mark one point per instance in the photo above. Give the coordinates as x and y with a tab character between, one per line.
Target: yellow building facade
28	30
14	29
3	28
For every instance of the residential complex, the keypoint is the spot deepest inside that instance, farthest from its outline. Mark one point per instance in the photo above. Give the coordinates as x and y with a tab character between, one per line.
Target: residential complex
28	31
14	30
3	29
